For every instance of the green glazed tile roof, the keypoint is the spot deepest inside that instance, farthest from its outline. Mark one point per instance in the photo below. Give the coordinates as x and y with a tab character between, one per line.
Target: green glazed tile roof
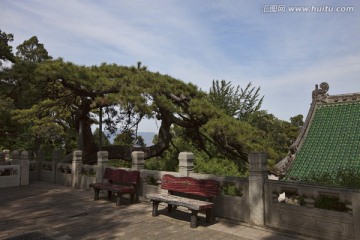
332	141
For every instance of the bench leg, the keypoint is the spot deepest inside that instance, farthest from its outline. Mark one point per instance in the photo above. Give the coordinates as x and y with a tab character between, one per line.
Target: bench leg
109	194
131	197
208	215
96	194
155	208
193	219
137	197
118	199
169	207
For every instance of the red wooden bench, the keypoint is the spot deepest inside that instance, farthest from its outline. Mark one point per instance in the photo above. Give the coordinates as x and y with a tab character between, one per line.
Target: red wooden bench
192	189
118	182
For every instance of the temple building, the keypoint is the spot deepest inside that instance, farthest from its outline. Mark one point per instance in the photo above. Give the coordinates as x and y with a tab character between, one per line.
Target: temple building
329	141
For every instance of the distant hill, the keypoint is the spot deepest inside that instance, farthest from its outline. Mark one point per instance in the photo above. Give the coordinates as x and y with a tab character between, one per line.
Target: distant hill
148	137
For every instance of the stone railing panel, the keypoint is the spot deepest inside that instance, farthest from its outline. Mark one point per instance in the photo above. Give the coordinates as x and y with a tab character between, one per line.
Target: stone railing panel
303	216
235	208
9	176
47	171
87	175
63	174
34	170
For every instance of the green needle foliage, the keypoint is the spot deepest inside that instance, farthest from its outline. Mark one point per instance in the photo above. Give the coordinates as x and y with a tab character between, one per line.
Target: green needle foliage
51	103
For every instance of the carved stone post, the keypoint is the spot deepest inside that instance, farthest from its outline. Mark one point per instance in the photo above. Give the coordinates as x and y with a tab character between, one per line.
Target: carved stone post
257	177
102	162
356	213
6	154
24	168
15	157
137	160
186	163
76	167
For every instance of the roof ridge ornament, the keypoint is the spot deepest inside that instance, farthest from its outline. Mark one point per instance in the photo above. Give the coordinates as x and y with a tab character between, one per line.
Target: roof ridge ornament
320	95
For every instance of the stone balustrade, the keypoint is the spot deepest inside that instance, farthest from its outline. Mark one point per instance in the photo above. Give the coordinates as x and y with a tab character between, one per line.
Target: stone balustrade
287	206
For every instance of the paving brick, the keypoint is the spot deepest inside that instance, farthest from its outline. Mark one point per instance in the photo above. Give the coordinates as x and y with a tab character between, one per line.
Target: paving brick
60	213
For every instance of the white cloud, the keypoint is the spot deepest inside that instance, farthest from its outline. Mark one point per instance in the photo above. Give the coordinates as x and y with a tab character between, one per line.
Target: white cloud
290	94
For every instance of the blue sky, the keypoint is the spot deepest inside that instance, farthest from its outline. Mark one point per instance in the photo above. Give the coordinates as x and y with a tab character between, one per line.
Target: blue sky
285	53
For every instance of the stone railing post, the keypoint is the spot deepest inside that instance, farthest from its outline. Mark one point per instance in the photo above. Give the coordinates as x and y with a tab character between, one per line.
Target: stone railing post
356	213
257	177
6	154
102	163
15	157
137	160
24	168
186	163
76	167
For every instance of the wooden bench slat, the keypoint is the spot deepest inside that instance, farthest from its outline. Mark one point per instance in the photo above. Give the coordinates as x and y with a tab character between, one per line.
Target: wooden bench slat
181	201
200	187
114	188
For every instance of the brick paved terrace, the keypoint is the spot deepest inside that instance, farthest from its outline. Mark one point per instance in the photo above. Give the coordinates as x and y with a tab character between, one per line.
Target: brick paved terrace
47	211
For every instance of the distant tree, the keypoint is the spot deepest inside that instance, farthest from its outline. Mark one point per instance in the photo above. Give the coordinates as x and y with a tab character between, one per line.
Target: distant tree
277	134
5	49
6	103
19	82
235	101
129	138
126	138
19	85
140	141
6	124
297	120
104	139
32	51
